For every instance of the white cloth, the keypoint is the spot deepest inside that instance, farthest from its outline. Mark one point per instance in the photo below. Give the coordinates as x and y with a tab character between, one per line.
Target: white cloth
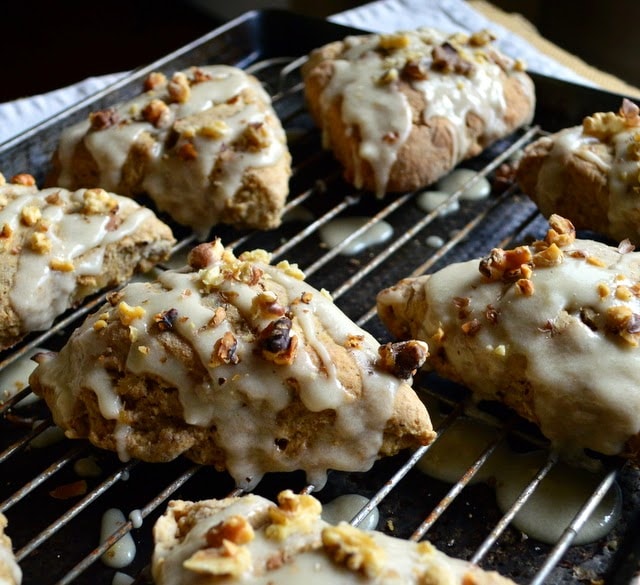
379	16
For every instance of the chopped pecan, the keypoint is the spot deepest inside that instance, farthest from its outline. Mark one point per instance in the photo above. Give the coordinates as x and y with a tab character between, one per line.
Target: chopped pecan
491	314
187	151
204	255
30	215
265	304
462	304
505	265
525	287
229	559
179	89
294	514
255	137
166	319
415	70
219	315
23	179
224	351
103	119
562	232
551	256
622	321
276	342
404	358
154	80
481	38
6	231
199	76
471	327
393	41
389	76
156	112
235	529
446	59
354	548
53	198
354	341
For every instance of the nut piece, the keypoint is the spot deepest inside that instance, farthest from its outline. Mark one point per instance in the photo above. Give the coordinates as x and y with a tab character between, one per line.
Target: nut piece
154	80
355	549
294	513
23	179
235	529
103	119
204	255
98	202
156	112
394	41
402	359
224	351
229	559
30	215
166	319
179	89
129	314
276	342
40	243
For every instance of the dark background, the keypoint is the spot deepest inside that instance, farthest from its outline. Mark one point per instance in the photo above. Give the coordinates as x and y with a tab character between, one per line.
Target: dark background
47	44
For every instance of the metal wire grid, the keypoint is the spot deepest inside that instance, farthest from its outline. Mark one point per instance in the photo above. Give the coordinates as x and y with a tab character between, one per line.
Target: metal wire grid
394	253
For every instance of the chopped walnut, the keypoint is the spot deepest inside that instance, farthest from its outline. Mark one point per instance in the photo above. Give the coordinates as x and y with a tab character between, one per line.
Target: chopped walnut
103	119
471	327
179	89
447	59
393	41
98	202
290	269
30	215
622	321
156	112
99	325
354	548
551	256
40	243
562	232
389	76
462	304
129	314
235	529
114	297
199	76
276	342
505	265
525	287
402	359
215	129
219	316
603	290
255	137
481	38
224	351
187	151
354	341
6	231
294	513
229	559
623	293
306	297
154	80
61	265
415	70
265	304
204	255
23	179
54	198
166	319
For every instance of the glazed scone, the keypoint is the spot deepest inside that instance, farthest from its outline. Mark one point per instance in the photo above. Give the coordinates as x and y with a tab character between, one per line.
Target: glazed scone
59	246
236	363
552	330
10	573
400	111
205	145
251	540
589	174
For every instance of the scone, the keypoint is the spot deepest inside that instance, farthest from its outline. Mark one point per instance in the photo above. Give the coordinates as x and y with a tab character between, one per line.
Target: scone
205	145
551	330
590	173
59	246
10	573
399	111
251	540
239	364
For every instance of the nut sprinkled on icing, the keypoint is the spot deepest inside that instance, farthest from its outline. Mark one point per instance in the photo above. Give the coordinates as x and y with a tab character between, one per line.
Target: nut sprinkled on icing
353	548
229	559
103	119
23	179
604	125
403	358
294	514
129	314
224	351
30	215
179	90
235	529
98	201
156	112
40	243
277	343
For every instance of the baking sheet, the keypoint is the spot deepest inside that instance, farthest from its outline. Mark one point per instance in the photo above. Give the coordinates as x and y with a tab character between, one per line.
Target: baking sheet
264	42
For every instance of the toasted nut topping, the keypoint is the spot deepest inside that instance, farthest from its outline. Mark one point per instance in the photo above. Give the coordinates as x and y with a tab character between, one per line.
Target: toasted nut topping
290	269
205	254
389	76
506	265
394	41
446	59
621	320
623	293
355	549
99	324
603	290
552	256
471	327
219	316
23	179
179	90
562	232
276	342
525	287
229	559
54	198
295	513
224	351
462	304
61	265
235	529
98	202
481	38
354	341
6	231
402	359
30	215
416	70
154	80
187	151
114	297
40	243
255	138
199	76
265	304
156	112
166	319
103	119
595	261
129	314
3	181
216	129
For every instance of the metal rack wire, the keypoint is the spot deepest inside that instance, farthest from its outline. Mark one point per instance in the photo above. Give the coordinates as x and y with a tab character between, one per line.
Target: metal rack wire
35	540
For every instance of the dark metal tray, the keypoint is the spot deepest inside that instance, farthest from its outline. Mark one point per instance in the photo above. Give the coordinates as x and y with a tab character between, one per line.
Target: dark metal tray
57	540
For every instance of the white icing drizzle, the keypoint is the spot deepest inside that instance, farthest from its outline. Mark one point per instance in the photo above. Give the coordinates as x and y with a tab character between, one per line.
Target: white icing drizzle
251	393
345	507
121	553
187	189
337	230
70	236
15	377
87	467
457	178
136	518
555	501
435	242
120	578
46	438
430	200
381	114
